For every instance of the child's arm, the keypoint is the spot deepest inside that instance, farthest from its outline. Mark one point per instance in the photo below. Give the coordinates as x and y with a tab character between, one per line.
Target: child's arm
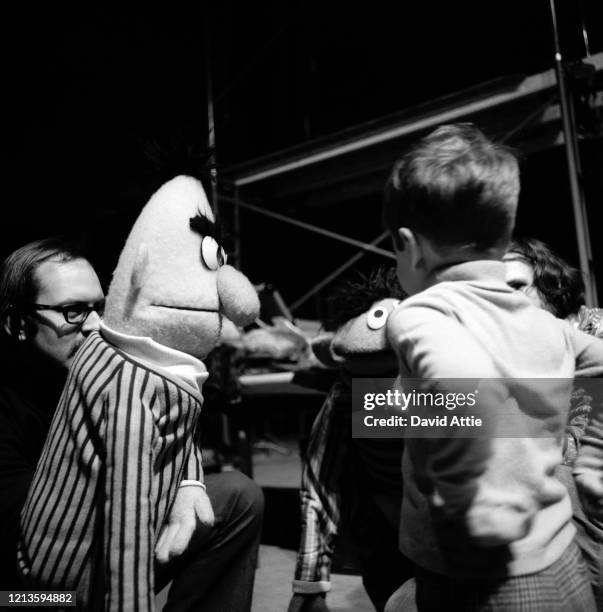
128	538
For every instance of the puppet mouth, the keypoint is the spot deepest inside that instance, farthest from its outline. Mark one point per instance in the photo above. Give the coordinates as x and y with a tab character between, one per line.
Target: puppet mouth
187	308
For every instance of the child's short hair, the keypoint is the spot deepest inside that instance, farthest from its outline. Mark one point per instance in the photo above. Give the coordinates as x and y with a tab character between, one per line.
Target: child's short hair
455	188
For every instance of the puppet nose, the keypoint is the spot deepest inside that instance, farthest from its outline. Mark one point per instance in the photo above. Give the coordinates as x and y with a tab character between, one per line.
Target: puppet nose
238	299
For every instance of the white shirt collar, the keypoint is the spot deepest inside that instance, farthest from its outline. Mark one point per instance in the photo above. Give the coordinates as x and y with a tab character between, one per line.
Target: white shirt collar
183	366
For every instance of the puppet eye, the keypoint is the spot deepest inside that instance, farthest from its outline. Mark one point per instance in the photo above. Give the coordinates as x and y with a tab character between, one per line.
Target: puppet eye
212	253
376	317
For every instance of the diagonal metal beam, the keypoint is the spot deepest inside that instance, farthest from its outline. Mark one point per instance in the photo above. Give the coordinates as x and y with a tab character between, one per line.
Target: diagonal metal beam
308	226
331	277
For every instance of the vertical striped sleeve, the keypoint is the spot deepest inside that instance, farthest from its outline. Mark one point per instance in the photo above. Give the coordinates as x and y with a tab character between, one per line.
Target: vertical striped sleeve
194	466
129	529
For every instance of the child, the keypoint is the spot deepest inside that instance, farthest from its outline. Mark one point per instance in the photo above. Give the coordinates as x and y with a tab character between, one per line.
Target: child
484	520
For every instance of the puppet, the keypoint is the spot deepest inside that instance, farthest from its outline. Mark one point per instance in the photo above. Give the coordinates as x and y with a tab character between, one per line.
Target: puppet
121	460
353	481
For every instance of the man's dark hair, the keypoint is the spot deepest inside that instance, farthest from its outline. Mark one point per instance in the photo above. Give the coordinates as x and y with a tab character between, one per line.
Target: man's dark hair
18	286
455	188
560	286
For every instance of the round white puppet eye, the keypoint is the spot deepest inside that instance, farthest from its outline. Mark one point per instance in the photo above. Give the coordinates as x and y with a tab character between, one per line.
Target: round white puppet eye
212	253
376	317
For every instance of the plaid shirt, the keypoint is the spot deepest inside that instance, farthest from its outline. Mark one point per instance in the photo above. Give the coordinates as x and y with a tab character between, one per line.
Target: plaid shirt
326	458
339	473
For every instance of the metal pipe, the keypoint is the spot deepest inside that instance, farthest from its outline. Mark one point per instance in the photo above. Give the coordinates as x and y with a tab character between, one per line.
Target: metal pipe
573	167
333	275
308	226
211	132
237	230
530	85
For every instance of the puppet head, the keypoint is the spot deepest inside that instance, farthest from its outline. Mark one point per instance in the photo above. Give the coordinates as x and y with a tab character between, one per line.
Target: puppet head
359	342
172	283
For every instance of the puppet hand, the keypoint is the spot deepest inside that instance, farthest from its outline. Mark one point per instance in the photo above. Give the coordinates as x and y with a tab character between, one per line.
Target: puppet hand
308	603
203	509
191	505
590	486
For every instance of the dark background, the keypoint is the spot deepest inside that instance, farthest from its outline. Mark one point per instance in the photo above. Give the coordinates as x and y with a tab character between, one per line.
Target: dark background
87	89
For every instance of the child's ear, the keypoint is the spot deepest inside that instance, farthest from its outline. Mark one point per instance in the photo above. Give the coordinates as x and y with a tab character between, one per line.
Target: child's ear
412	246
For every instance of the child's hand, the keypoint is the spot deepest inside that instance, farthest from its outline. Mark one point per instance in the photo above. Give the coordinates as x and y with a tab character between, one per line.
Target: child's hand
191	505
590	486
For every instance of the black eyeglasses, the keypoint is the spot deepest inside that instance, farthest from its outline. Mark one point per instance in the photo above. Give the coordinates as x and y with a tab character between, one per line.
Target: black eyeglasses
75	313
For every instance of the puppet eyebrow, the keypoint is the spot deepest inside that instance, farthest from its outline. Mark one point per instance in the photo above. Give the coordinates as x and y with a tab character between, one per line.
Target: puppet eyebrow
204	227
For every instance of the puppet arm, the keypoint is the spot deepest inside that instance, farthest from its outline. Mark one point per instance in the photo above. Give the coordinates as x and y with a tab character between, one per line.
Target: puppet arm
193	471
313	565
320	503
192	494
129	501
192	505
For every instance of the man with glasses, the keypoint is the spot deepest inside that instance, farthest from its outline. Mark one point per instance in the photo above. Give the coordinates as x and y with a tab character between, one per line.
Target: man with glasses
50	300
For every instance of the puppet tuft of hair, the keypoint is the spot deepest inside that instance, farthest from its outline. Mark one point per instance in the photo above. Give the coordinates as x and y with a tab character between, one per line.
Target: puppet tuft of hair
173	157
358	294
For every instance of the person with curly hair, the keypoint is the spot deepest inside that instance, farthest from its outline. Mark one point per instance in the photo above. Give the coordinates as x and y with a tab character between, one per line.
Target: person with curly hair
551	283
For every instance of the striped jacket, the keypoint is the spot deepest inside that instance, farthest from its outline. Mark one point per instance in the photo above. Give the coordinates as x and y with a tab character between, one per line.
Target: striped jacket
121	441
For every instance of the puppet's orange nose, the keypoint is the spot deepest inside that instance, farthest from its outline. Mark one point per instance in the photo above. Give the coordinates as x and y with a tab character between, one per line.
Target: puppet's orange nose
238	299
